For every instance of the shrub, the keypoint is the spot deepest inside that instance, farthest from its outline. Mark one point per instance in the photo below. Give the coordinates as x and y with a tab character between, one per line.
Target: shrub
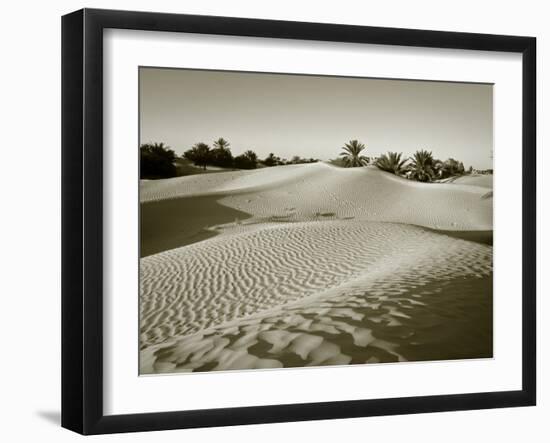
271	160
448	168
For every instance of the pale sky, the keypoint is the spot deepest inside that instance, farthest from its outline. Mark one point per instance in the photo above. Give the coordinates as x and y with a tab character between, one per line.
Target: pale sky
313	116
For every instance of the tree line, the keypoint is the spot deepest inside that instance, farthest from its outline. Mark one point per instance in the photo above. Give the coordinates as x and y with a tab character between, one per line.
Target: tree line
220	155
158	160
422	166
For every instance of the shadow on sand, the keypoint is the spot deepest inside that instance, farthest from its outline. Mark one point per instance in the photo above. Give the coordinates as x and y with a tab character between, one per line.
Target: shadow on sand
484	237
170	224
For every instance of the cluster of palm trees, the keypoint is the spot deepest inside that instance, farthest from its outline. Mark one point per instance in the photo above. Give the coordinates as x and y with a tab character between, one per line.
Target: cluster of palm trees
156	161
274	160
422	166
202	155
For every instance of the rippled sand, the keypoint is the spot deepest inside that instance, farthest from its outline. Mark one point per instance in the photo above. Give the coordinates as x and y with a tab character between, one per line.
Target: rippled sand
316	273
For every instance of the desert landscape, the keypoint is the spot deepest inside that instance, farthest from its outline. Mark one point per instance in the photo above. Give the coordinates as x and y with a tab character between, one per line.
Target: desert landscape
338	221
313	264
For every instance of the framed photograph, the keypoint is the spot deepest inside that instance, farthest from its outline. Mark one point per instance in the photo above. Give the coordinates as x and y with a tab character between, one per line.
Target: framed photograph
268	221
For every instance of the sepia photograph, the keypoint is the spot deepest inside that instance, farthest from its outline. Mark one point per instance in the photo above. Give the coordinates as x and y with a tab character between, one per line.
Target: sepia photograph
292	220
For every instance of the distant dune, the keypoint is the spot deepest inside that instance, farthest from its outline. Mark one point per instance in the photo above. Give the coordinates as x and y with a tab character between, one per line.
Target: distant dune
483	180
311	264
301	192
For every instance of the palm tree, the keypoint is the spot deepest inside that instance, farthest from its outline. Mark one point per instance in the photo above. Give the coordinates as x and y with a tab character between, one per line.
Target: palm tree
391	162
221	154
352	154
270	160
222	144
159	148
199	154
422	166
157	161
248	160
251	156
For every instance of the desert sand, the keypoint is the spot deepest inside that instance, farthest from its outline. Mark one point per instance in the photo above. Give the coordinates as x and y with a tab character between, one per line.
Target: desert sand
483	180
310	192
312	265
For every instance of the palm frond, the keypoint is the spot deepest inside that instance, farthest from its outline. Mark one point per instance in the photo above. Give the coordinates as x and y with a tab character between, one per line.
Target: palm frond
392	162
352	154
422	166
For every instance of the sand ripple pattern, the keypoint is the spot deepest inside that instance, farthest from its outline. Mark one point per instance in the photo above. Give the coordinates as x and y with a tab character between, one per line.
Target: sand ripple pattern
297	294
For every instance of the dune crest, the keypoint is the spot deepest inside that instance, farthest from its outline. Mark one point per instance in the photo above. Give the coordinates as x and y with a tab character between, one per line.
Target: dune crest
318	190
481	180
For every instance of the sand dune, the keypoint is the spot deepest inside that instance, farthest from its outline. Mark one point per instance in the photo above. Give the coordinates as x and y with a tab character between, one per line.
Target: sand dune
321	191
241	180
483	180
312	265
283	287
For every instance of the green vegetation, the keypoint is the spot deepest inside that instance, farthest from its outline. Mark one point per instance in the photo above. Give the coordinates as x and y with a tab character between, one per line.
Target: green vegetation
159	161
222	144
352	154
391	162
271	160
221	154
156	161
422	166
248	160
200	154
449	168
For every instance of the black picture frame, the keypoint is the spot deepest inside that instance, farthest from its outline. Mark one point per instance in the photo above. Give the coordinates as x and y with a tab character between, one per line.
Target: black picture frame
82	218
